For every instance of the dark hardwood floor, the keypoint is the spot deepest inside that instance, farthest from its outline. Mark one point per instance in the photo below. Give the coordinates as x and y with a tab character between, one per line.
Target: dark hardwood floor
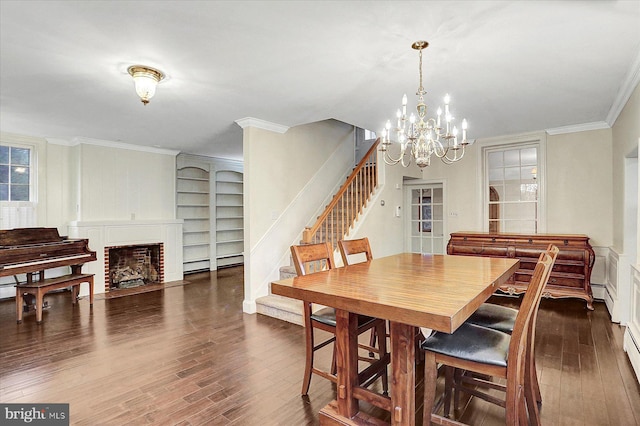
187	355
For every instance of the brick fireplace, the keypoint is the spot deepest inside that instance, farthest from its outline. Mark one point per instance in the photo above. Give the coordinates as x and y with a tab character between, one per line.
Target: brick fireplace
133	265
103	235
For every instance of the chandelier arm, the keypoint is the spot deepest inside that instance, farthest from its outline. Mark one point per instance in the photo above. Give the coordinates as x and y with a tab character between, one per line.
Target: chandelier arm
455	157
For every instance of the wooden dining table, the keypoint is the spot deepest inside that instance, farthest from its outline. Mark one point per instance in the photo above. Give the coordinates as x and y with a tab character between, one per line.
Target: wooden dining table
409	290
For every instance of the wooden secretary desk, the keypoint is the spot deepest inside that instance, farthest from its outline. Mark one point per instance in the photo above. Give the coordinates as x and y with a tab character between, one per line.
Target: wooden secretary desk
570	276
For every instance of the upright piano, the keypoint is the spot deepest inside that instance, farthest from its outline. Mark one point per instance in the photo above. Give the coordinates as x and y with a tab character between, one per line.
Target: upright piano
32	251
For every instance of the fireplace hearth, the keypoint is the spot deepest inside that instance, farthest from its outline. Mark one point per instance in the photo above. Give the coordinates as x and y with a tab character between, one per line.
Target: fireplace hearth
133	266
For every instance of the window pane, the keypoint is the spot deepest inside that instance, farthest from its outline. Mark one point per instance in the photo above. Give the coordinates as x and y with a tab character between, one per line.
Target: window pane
437	195
4	174
512	192
20	156
4	192
19	193
4	155
496	175
512	157
528	173
529	192
529	157
495	160
20	175
512	173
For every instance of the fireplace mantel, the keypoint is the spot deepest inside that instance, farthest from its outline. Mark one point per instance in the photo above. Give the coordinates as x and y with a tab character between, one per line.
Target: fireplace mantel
103	234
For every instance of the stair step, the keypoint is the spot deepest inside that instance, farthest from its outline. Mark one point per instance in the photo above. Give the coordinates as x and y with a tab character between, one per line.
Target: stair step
287	272
282	308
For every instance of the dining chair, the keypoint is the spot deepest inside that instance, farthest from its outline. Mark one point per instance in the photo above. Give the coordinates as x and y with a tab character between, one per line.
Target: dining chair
490	352
312	258
354	247
502	318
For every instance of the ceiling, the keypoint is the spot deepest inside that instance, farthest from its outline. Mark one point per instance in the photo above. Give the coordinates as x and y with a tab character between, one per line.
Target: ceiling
510	67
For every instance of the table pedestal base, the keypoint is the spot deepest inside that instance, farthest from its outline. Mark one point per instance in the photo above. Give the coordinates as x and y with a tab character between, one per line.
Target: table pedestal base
329	416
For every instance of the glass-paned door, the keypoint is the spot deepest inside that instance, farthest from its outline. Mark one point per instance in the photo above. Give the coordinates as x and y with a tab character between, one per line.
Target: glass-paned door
425	225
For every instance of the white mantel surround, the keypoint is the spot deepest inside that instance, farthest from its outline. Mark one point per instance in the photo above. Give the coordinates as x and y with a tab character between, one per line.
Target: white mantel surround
103	234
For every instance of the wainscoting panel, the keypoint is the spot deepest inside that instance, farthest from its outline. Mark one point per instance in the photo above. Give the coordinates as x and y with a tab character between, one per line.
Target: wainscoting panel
631	343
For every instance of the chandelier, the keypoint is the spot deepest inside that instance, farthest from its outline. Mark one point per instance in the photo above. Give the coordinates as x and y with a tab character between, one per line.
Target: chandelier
422	137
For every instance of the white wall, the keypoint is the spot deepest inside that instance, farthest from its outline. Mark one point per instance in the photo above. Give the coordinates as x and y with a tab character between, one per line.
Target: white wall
579	185
118	183
625	135
287	177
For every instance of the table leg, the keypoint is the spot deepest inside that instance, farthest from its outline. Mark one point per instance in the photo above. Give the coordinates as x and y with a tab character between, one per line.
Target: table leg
403	374
347	361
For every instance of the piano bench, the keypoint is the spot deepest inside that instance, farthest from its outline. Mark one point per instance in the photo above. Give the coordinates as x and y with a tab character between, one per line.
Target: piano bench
42	287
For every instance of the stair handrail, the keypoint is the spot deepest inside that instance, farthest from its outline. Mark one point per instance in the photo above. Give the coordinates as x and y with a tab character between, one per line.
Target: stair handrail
369	158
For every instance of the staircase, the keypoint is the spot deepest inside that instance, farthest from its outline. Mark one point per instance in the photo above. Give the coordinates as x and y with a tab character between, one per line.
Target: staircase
332	225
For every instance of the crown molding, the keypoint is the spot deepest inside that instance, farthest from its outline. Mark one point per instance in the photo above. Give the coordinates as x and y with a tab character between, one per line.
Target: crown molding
63	142
261	124
121	145
631	81
574	128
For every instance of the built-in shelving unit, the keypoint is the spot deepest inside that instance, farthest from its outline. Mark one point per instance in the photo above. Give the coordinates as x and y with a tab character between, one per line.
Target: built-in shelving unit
194	208
229	218
210	202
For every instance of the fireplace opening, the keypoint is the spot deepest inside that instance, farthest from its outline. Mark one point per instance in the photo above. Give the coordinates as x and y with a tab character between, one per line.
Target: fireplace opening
133	266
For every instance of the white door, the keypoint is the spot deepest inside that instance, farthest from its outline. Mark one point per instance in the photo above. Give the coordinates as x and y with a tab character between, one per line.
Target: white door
424	222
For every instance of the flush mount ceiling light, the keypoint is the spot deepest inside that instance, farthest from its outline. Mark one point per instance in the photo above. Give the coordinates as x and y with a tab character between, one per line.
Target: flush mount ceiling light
146	79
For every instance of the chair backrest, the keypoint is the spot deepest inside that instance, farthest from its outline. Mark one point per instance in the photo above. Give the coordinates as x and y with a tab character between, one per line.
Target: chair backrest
308	258
552	251
519	337
350	247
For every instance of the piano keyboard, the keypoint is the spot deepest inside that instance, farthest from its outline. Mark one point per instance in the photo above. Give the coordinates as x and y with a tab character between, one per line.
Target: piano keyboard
47	260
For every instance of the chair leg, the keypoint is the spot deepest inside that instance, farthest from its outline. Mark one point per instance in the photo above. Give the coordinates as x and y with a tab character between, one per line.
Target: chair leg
430	377
381	330
334	365
522	411
448	386
372	340
306	379
457	377
530	390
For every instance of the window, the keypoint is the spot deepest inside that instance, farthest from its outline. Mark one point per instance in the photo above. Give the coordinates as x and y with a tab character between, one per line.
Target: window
513	185
15	173
368	134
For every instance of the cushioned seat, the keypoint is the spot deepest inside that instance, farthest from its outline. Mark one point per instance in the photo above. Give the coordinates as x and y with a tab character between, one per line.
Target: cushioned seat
328	316
496	317
473	343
